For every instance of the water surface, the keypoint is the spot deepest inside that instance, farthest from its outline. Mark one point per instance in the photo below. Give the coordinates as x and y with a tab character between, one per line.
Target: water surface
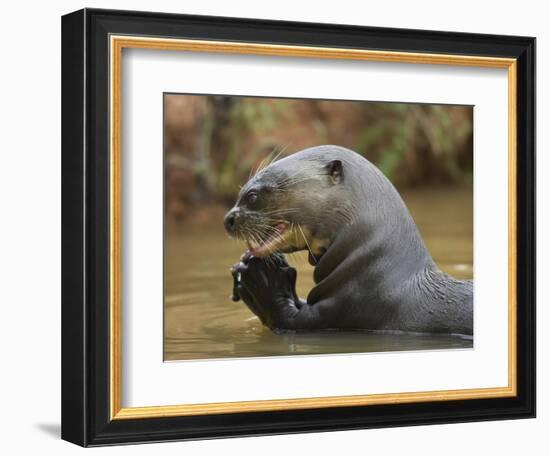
201	321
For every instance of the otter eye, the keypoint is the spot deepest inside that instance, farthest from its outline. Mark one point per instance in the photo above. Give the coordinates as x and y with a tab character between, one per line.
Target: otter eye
252	198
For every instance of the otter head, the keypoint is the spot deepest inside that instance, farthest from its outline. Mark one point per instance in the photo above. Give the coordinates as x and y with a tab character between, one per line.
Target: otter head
296	203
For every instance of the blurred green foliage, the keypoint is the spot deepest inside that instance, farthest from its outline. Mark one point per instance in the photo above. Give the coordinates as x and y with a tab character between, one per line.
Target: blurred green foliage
401	128
212	143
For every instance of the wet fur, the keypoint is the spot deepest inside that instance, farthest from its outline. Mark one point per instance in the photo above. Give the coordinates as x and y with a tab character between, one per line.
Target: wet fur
372	269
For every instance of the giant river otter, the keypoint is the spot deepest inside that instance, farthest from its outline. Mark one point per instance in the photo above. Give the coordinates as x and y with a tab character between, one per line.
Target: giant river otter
372	269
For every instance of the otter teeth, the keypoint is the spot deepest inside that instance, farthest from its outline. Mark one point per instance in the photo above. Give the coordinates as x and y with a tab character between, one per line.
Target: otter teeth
263	248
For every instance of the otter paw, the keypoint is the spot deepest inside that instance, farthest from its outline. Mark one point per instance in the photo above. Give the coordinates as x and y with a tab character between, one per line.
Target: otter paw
270	280
240	292
266	285
236	271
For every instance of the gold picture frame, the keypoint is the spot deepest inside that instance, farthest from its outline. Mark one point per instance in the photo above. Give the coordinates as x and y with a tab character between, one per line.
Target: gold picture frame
117	46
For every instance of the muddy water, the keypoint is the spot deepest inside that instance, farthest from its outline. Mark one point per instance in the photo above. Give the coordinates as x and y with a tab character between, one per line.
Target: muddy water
202	322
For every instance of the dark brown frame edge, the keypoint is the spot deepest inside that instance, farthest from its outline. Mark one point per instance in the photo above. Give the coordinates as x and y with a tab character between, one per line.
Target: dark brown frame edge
85	227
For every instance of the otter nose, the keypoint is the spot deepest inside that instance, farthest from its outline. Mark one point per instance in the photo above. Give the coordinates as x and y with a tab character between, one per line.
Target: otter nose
231	220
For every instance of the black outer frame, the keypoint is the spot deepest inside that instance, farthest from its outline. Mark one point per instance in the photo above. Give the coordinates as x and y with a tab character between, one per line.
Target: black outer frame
85	227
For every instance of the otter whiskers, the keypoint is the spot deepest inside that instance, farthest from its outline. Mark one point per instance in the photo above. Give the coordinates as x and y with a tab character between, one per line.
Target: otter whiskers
307	245
266	235
268	160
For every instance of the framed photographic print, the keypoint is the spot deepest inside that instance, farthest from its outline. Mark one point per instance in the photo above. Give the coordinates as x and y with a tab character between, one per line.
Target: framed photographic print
275	227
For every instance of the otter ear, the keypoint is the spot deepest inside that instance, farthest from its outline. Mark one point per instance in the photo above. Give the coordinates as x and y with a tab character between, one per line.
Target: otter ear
335	171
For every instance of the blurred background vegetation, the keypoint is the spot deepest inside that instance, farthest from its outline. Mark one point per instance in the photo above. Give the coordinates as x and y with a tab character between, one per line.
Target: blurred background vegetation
212	143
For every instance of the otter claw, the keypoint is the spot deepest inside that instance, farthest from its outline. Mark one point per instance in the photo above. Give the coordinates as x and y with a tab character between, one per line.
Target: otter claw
245	257
236	270
236	283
